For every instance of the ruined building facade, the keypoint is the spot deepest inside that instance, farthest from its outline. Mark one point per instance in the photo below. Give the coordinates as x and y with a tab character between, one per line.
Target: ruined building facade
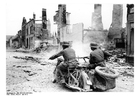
61	21
130	33
34	30
96	33
116	25
96	21
116	33
64	33
77	32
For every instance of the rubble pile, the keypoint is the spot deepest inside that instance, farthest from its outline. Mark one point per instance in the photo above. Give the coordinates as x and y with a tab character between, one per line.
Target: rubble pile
47	48
118	62
34	59
29	58
125	70
22	50
121	66
40	49
118	56
119	52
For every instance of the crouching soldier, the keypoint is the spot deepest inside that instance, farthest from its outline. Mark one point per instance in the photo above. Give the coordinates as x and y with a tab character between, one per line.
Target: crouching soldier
68	61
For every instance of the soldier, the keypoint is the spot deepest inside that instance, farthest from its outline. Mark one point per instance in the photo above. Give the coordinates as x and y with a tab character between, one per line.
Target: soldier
97	56
69	60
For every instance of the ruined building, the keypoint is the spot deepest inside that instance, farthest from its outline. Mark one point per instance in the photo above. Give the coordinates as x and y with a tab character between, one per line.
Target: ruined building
61	20
9	40
34	30
23	29
96	33
116	25
14	41
130	33
76	34
96	22
44	24
116	32
64	33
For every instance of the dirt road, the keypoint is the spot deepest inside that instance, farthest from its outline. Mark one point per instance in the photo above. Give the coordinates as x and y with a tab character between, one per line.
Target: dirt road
28	77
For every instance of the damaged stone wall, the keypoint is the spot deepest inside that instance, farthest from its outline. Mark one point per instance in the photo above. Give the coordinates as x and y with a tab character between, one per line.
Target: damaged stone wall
116	25
38	29
95	36
96	23
34	30
29	41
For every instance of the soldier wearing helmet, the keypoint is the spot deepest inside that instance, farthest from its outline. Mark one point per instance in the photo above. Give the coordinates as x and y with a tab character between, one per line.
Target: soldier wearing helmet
69	59
97	56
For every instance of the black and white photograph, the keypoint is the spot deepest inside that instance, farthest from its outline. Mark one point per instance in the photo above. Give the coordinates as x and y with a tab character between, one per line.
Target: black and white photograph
69	47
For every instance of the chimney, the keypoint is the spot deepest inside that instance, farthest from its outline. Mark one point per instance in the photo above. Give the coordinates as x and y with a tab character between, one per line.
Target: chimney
96	22
44	16
34	16
44	19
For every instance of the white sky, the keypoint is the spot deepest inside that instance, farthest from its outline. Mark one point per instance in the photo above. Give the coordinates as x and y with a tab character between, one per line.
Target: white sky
80	12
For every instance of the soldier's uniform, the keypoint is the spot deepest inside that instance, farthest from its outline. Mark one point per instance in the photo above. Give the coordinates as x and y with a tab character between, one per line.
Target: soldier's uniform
97	56
69	61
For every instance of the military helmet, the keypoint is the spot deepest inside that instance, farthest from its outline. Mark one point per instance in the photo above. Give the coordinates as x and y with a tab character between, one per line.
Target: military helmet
65	44
93	45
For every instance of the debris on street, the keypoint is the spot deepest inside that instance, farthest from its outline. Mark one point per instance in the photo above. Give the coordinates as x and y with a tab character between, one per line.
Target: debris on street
43	46
29	58
22	50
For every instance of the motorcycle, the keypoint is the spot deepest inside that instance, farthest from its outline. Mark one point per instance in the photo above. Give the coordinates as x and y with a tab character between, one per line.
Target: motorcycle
83	79
75	78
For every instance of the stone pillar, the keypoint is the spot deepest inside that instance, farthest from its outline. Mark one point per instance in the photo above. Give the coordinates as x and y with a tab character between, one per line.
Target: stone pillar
44	19
96	23
117	16
116	25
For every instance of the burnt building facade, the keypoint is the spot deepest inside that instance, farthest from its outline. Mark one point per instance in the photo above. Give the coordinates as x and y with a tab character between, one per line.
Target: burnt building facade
34	30
61	19
116	25
29	34
116	32
130	33
96	22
